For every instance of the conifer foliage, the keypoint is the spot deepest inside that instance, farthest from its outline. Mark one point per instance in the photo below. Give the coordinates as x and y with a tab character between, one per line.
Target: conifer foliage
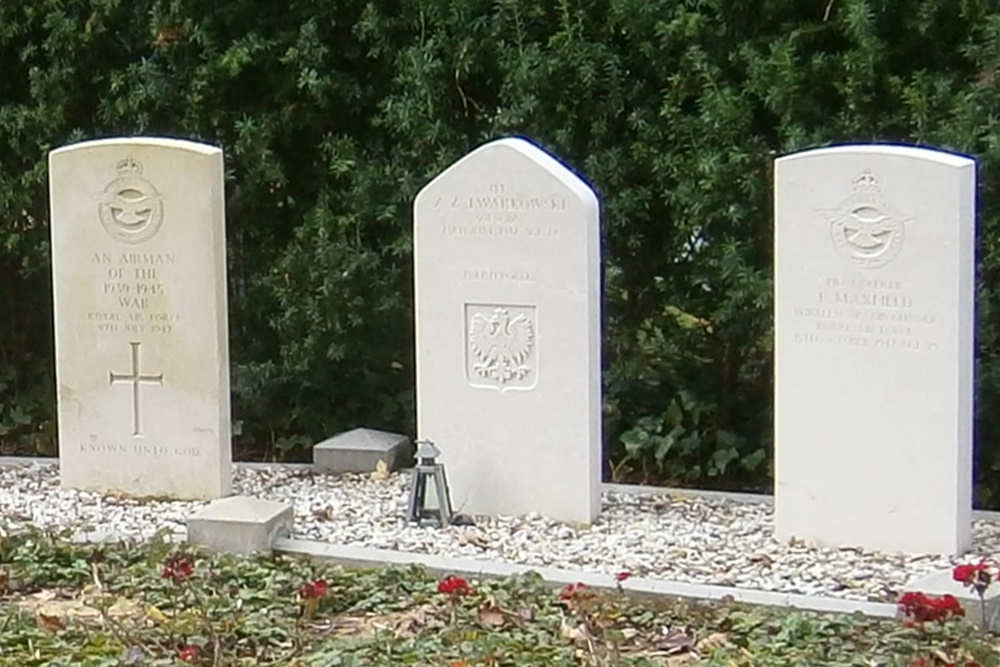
334	114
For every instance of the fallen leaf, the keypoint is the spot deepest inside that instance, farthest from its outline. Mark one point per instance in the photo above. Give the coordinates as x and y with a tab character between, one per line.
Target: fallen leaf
49	623
408	623
85	605
345	625
944	657
42	596
711	642
154	614
381	470
323	514
475	538
491	614
575	633
629	634
673	640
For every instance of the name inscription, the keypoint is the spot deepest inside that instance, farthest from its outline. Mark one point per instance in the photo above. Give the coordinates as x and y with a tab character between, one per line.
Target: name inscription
865	312
501	213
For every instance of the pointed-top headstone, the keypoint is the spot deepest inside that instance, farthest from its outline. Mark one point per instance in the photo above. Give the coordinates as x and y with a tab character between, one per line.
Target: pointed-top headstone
507	273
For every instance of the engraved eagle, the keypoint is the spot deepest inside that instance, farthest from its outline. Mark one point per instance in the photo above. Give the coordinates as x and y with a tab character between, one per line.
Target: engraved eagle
501	344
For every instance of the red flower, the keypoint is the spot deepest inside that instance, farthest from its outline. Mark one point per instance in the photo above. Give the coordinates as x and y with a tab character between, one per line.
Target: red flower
571	591
314	590
920	608
452	585
975	576
188	653
966	574
177	568
622	576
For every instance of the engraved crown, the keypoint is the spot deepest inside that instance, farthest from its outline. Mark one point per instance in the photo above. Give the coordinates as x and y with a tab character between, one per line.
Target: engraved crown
129	167
866	182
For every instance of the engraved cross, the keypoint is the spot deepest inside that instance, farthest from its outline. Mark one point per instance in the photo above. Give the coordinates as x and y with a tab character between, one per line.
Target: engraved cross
136	379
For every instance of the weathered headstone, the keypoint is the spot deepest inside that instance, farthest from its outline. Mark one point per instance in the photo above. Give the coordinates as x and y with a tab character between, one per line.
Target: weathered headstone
874	290
139	279
507	268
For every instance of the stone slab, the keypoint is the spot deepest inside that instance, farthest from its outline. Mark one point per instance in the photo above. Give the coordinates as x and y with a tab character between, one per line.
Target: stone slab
363	557
240	525
942	583
360	450
874	321
139	281
507	285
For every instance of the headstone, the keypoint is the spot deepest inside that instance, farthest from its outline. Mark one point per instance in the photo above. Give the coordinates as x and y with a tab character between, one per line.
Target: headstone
874	288
139	279
507	273
360	450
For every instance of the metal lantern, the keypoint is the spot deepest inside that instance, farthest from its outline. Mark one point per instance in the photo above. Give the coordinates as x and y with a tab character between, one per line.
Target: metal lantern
429	509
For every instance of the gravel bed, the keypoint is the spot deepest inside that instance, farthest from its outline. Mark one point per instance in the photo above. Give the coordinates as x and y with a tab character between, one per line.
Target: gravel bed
688	539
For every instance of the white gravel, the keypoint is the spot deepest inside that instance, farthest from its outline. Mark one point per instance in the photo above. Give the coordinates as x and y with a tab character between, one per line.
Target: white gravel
687	539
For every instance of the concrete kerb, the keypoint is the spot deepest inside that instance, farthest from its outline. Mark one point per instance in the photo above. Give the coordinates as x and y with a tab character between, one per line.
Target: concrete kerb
365	557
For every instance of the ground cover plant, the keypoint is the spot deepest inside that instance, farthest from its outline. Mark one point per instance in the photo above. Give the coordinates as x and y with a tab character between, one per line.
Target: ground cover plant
159	603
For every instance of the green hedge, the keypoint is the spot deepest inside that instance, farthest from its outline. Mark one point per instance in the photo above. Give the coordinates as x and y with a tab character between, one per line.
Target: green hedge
334	114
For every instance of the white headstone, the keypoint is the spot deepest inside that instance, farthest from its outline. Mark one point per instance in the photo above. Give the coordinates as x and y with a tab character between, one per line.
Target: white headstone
874	292
507	273
139	279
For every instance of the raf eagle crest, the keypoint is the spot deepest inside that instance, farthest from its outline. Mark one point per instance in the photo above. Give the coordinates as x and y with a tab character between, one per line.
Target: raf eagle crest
501	345
130	208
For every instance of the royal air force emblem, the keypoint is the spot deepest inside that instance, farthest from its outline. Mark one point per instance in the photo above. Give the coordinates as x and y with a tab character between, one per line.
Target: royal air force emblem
864	228
130	208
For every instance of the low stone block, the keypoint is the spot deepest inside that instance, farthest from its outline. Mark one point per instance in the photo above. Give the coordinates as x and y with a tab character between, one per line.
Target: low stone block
360	450
240	525
942	583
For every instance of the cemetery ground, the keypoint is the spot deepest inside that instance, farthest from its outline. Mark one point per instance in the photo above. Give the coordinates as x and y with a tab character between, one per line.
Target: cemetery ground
160	603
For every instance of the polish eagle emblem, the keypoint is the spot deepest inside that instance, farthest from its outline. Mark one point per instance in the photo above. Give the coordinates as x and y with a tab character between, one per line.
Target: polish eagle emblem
501	345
